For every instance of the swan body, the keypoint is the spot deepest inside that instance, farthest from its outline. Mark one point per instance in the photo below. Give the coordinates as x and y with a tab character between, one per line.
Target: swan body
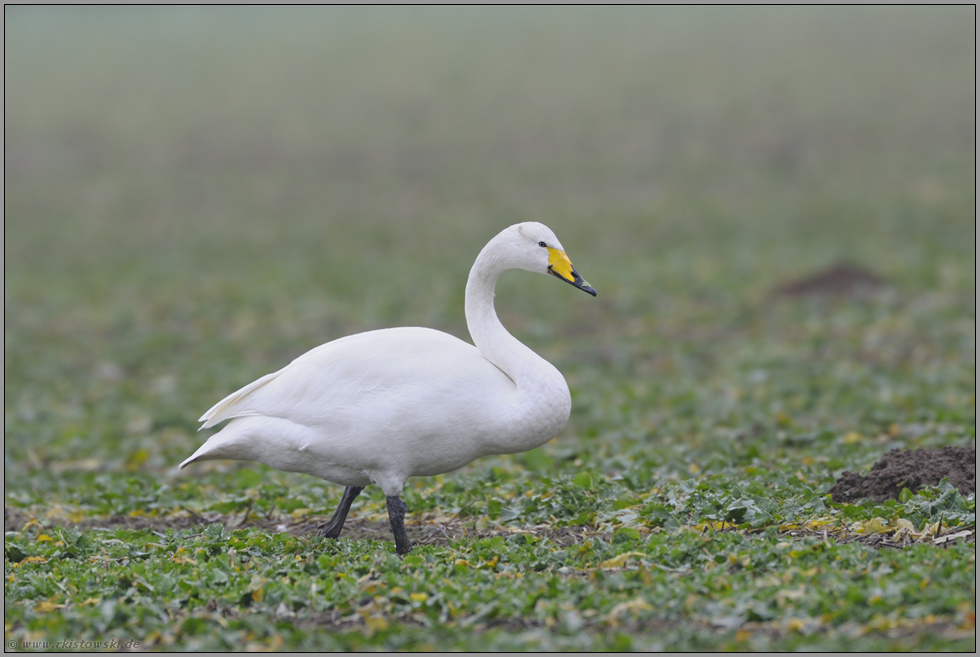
382	406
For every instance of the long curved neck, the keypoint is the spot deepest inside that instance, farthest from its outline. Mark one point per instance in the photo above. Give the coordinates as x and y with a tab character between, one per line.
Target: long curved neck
489	335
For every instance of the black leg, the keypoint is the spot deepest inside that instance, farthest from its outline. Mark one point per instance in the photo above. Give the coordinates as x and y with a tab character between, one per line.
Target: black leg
396	520
332	527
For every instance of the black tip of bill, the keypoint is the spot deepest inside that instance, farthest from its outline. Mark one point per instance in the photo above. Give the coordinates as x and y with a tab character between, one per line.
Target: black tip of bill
577	281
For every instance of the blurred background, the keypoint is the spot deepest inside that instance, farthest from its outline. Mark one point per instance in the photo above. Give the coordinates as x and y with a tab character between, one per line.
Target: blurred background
194	196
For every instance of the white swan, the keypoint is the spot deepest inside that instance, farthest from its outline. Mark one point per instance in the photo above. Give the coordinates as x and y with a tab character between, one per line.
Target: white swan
382	406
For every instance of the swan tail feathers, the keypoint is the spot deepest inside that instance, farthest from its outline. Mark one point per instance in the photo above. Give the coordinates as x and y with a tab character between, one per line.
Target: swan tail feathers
205	452
232	442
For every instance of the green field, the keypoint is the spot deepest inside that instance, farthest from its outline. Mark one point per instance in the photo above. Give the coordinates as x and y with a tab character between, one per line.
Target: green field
193	197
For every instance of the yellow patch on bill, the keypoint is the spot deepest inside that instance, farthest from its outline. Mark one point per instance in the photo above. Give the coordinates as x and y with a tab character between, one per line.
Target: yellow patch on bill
560	264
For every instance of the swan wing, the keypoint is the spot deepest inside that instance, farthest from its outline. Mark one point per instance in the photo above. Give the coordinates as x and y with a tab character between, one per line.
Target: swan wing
382	371
231	406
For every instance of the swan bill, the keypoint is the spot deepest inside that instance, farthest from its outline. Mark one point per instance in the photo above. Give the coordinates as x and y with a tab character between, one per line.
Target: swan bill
560	266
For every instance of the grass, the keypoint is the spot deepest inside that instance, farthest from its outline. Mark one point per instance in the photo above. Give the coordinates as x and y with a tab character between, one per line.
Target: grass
195	196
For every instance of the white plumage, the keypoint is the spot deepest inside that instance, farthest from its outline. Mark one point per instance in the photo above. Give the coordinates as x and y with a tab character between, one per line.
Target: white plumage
382	406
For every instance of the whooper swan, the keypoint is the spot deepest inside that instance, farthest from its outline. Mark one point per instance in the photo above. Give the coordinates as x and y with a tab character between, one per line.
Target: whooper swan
382	406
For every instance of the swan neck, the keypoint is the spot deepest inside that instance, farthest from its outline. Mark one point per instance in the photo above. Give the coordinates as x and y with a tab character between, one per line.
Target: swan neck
494	341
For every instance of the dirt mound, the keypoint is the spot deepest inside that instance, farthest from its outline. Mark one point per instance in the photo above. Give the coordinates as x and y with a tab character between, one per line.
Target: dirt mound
840	279
911	469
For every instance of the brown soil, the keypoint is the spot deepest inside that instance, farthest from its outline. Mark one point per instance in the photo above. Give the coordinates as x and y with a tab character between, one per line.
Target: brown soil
838	280
421	532
911	469
896	470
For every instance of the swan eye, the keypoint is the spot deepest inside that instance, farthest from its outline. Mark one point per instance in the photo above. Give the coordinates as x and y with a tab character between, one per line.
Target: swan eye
542	244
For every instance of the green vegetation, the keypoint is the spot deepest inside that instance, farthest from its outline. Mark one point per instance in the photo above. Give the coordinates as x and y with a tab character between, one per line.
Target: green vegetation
195	196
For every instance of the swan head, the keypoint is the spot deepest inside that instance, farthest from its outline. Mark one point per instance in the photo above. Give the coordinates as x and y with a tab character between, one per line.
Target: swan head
534	247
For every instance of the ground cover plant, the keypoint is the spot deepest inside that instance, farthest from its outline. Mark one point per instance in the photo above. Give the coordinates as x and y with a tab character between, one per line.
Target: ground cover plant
195	196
